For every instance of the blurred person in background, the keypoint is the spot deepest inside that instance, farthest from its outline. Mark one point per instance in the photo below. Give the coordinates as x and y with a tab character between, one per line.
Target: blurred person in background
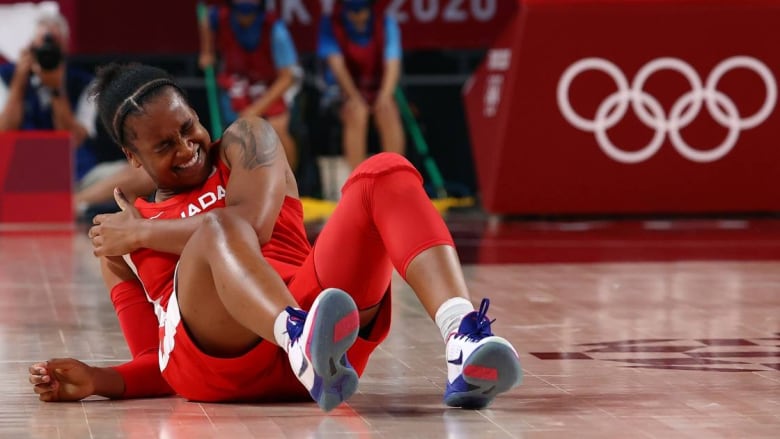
362	49
43	92
258	64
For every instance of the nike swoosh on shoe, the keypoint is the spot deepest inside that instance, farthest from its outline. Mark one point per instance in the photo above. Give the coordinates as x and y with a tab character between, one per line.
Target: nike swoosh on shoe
304	366
457	361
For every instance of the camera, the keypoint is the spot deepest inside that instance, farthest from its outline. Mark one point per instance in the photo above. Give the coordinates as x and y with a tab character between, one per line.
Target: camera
49	54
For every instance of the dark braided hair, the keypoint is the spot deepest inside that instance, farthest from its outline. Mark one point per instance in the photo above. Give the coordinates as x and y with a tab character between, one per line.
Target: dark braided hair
122	90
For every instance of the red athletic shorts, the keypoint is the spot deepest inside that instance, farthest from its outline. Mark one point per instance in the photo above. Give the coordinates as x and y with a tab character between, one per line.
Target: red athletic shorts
263	373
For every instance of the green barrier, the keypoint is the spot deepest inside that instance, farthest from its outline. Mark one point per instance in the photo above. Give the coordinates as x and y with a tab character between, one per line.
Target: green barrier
211	85
419	143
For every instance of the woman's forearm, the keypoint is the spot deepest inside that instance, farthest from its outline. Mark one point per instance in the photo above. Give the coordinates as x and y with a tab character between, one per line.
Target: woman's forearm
12	115
167	235
339	68
274	92
107	382
390	77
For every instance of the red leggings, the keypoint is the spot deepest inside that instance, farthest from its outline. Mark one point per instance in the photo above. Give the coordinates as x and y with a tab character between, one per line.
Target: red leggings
384	220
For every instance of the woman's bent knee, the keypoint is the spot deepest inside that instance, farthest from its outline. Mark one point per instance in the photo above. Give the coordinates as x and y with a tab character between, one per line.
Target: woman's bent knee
381	165
218	226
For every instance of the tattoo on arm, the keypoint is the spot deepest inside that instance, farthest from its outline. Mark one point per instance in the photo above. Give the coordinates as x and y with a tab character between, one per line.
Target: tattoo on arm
259	143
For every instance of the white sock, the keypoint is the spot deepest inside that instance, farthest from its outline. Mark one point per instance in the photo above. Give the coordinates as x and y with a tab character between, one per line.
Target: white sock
450	313
280	330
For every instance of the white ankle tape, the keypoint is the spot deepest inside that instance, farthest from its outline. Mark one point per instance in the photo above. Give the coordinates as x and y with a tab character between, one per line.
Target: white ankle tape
450	313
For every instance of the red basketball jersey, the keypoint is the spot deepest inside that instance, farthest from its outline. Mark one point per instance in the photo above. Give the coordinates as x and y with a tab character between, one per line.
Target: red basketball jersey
285	251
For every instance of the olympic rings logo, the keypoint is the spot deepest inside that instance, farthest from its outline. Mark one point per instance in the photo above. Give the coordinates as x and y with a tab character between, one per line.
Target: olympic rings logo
650	112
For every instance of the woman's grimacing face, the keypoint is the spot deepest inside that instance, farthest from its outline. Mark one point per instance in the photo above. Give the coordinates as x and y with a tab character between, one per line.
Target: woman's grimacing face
168	140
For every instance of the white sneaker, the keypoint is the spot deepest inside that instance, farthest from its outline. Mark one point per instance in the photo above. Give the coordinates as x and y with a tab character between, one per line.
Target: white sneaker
319	340
480	365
